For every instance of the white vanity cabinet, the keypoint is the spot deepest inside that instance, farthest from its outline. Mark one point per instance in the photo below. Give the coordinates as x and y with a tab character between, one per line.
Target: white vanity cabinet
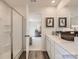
56	51
52	50
48	47
61	53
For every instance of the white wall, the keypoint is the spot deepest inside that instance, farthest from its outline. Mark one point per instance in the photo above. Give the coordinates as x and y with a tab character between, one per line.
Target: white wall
72	6
48	12
33	27
37	44
74	15
34	22
56	13
5	30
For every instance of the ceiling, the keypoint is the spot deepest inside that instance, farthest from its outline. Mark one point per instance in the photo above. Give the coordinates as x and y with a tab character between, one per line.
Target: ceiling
38	3
73	4
43	3
19	5
16	2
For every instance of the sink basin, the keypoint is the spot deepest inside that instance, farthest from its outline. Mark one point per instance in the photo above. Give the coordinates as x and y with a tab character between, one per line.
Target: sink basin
67	36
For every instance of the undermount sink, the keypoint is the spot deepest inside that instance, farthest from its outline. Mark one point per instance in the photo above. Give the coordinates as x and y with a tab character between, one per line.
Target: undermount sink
68	36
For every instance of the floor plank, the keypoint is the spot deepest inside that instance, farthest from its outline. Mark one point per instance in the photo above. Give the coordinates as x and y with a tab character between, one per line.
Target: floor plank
38	55
35	55
23	55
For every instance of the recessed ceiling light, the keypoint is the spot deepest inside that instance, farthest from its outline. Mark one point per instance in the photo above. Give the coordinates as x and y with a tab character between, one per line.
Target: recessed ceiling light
53	1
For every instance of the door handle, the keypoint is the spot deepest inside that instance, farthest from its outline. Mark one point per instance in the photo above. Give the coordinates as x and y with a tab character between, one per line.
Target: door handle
27	35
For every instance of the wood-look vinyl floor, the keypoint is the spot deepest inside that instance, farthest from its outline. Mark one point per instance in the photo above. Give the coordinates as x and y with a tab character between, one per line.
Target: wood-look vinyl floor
23	55
35	55
38	55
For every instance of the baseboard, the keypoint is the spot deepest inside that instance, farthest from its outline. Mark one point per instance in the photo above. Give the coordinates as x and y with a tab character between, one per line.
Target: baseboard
37	50
18	55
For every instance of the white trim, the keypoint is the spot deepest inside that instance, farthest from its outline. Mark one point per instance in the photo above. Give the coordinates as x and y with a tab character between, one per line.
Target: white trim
37	50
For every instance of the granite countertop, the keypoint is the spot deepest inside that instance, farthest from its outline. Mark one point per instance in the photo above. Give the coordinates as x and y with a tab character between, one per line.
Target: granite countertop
69	46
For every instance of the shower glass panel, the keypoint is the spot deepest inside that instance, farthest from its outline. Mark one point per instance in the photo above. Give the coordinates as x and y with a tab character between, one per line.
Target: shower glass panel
5	31
17	34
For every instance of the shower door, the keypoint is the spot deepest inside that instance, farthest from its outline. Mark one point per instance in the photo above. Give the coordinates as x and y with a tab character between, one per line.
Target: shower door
5	31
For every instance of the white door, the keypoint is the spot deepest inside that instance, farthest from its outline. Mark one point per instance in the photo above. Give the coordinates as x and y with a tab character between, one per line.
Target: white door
17	34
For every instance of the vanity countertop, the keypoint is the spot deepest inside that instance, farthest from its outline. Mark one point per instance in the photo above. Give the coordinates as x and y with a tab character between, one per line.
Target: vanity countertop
69	46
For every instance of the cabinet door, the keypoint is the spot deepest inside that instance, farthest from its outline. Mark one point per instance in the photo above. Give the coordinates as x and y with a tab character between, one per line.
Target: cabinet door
52	50
58	55
61	53
48	47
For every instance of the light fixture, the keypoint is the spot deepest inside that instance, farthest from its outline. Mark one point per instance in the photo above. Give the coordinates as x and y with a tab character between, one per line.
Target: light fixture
53	1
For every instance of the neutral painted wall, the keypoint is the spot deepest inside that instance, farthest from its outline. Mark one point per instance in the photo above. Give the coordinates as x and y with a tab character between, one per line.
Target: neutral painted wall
74	15
72	6
37	44
67	9
32	27
56	13
5	31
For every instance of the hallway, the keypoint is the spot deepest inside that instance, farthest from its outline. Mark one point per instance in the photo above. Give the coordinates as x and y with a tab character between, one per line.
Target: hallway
35	55
38	55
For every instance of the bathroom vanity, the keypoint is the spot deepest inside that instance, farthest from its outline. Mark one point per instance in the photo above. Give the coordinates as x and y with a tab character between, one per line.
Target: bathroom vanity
58	48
